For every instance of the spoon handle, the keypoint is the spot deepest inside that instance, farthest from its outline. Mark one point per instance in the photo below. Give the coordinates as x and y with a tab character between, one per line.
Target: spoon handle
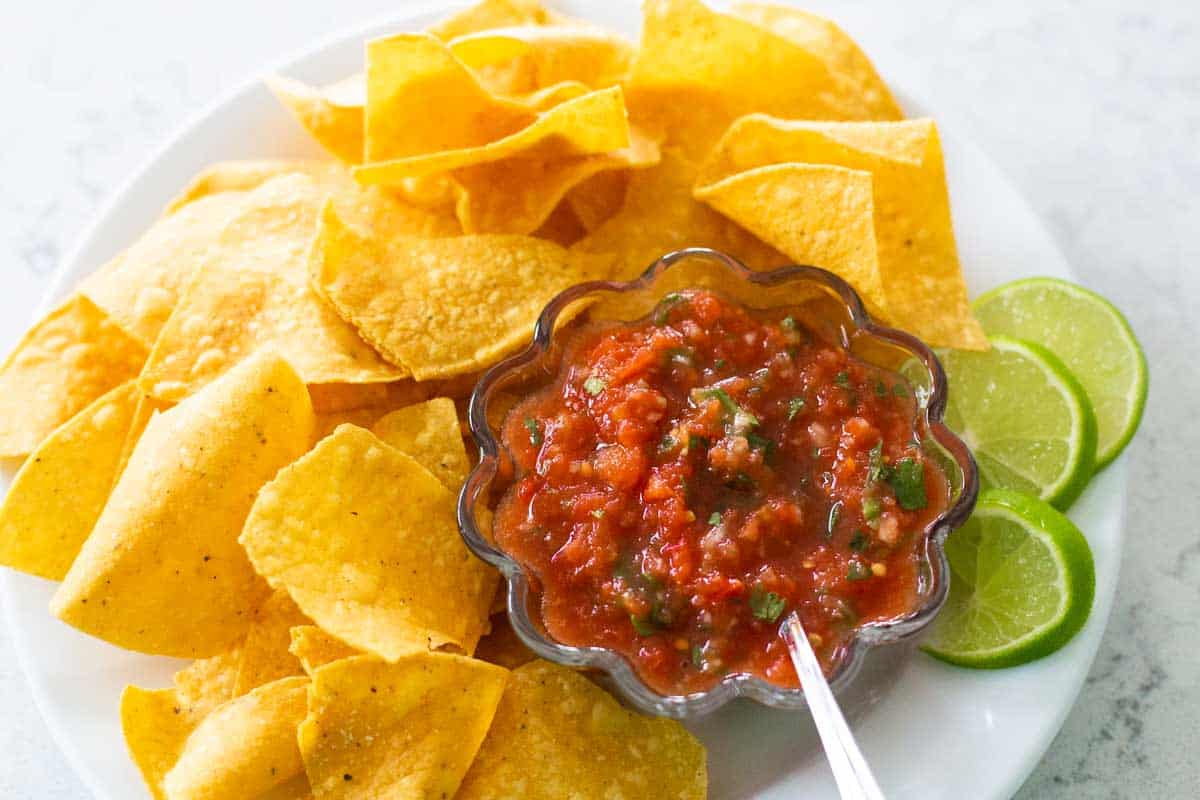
850	769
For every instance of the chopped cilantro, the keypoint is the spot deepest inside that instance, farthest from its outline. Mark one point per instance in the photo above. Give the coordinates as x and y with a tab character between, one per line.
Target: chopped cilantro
842	379
714	518
876	467
697	656
644	627
857	571
719	364
899	390
870	508
859	541
698	442
594	385
907	477
761	443
662	312
727	403
788	323
795	406
880	388
835	512
667	444
598	513
743	421
765	605
535	431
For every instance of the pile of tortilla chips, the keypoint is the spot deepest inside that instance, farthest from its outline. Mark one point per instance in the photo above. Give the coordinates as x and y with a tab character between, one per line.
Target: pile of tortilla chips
241	439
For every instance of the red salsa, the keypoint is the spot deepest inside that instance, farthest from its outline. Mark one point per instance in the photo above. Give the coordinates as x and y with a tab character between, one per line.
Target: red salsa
692	477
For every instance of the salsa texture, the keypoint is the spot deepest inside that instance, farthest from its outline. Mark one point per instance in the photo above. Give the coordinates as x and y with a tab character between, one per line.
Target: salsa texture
692	477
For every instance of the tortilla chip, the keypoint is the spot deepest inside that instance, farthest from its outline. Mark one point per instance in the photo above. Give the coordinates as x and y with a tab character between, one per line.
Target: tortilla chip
502	646
443	307
660	215
366	542
140	287
404	730
58	493
265	654
167	539
494	14
316	648
428	432
521	59
244	748
562	226
157	722
816	214
598	198
237	176
72	356
252	294
146	408
923	290
332	114
556	734
827	41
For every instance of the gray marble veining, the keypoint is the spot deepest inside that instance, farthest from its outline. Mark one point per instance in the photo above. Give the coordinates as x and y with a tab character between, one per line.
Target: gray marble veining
1093	108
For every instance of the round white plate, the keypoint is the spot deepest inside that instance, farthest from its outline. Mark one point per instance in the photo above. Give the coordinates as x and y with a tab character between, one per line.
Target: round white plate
929	730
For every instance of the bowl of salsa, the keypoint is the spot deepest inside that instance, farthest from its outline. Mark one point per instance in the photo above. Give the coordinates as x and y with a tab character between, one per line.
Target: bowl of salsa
678	462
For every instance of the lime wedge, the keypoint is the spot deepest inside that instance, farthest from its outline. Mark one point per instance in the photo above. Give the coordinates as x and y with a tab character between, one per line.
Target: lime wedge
1024	416
1021	584
1092	339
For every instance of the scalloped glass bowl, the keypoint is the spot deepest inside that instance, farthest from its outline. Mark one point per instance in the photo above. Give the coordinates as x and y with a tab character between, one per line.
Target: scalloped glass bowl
818	297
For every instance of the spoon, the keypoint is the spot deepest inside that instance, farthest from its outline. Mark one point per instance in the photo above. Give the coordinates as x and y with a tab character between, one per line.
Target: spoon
850	769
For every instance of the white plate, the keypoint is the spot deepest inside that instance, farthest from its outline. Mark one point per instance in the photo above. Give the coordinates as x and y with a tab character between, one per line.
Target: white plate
930	731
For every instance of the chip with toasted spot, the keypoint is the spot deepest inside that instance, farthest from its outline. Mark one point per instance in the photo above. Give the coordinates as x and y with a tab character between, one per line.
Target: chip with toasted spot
404	730
332	114
167	538
250	294
429	433
265	654
315	648
556	734
366	542
244	748
72	356
443	307
55	498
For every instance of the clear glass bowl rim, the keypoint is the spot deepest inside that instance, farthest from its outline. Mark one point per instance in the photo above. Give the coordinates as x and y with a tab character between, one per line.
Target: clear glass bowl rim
619	671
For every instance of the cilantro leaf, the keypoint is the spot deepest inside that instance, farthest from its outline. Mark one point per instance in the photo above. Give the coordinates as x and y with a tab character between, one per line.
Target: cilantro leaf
795	406
907	478
662	312
644	627
765	605
714	518
594	385
535	431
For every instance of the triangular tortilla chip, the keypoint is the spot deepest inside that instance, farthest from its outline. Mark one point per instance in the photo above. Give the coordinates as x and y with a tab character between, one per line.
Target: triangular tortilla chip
72	356
490	14
378	731
56	497
167	539
315	648
252	293
443	307
556	734
332	114
366	542
521	59
429	433
265	654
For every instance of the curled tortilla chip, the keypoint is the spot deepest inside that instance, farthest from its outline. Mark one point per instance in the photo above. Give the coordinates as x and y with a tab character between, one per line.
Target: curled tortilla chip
403	730
238	176
429	433
245	748
72	356
140	287
251	294
167	539
366	542
526	58
265	654
556	734
921	281
494	14
598	198
562	226
147	407
58	494
443	307
332	114
316	648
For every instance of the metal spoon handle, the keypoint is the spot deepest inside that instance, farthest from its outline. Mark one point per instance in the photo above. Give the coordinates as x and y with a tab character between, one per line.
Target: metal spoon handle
850	769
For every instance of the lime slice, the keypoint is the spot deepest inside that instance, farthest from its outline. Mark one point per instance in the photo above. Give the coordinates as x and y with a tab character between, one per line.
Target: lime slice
1092	339
1021	584
1024	416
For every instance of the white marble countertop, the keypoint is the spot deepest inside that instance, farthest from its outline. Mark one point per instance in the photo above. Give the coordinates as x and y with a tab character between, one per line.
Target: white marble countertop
1093	109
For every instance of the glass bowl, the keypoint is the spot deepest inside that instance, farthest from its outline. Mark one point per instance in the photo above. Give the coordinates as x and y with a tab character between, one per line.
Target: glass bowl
818	296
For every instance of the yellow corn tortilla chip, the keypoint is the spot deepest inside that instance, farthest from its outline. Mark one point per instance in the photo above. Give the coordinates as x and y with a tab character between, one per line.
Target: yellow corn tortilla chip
167	539
72	356
660	215
239	176
502	646
332	114
562	226
494	14
265	653
366	542
147	407
245	748
923	290
140	287
556	734
827	41
252	293
58	493
526	58
598	198
443	307
315	648
428	432
816	214
404	730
